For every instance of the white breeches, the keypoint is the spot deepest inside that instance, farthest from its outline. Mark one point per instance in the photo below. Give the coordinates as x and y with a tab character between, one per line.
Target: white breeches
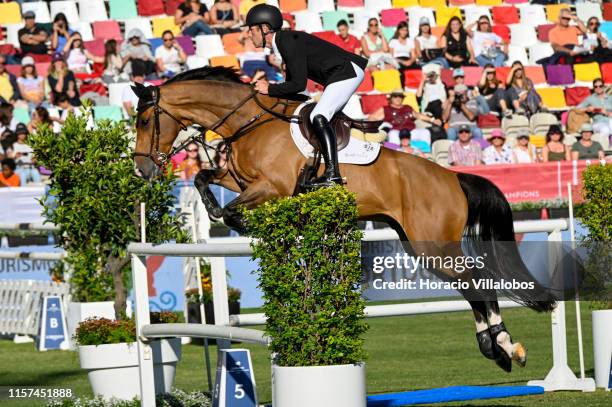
337	94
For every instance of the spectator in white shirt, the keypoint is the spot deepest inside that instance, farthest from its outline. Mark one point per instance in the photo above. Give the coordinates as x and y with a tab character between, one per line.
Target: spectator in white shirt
498	152
128	97
403	49
170	57
489	48
524	152
24	158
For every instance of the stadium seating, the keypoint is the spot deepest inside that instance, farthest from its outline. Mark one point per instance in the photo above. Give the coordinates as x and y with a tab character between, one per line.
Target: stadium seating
10	13
68	7
92	10
122	9
40	8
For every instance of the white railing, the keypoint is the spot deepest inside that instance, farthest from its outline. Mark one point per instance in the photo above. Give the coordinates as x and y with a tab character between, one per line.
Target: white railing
20	302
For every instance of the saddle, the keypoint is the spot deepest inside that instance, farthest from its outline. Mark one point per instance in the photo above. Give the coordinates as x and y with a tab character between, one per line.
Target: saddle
341	124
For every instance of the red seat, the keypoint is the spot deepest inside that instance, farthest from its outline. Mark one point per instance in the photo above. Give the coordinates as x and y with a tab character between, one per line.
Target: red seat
392	17
502	73
14	69
172	5
505	15
151	8
96	47
503	31
107	30
574	96
329	36
412	78
607	11
7	49
543	31
367	85
42	68
606	72
350	3
472	75
447	77
371	103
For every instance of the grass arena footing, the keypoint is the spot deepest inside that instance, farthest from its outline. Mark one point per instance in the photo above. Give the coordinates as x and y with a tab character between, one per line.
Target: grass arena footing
448	394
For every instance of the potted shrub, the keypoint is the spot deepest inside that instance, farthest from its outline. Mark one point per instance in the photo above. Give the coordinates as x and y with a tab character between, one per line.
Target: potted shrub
308	249
596	215
108	351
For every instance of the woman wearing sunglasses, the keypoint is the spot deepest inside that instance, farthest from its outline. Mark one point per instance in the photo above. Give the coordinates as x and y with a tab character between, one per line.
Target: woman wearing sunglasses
599	106
597	42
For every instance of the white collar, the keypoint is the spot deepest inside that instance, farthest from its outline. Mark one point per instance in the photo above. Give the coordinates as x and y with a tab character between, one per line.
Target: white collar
275	48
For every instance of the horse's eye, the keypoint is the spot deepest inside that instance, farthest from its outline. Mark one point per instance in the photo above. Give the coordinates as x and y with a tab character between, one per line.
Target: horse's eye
144	122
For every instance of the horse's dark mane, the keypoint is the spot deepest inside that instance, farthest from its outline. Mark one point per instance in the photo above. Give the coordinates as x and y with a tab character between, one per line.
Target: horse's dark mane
211	73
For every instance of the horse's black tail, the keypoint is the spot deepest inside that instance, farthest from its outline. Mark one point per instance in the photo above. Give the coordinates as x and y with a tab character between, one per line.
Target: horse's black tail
489	227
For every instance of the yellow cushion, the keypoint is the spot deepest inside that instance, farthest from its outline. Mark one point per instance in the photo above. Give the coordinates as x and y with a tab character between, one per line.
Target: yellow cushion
405	3
229	61
538	140
161	24
587	72
10	13
387	81
553	10
411	100
553	98
444	14
489	2
432	3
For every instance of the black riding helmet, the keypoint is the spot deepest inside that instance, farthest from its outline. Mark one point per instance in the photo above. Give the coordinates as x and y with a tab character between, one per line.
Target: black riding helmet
265	14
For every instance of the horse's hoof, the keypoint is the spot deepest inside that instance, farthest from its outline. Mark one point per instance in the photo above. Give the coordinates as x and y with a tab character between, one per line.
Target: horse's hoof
502	359
520	355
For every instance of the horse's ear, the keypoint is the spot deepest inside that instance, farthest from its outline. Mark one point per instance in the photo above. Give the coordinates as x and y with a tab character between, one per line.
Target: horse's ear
138	89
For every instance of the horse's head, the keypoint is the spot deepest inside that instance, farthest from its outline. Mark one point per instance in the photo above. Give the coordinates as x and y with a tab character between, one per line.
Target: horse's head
156	129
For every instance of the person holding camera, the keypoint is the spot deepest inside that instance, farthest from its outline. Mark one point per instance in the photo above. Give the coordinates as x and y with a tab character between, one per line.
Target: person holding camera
599	106
61	33
459	110
432	92
170	57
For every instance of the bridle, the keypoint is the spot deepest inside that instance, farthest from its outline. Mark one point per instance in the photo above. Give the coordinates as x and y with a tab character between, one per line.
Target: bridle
162	159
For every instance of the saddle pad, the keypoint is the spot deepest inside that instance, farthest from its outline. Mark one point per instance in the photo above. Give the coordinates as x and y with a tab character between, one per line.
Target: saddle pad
356	152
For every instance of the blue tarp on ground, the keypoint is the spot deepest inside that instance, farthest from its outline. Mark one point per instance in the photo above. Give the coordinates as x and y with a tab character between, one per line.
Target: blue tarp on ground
447	394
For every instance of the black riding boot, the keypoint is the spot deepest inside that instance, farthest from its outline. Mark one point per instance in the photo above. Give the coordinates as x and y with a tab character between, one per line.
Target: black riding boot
327	141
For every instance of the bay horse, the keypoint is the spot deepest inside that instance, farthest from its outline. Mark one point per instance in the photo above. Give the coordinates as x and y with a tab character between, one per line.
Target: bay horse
431	207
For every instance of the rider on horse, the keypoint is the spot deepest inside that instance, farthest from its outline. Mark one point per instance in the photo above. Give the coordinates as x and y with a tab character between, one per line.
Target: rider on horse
308	57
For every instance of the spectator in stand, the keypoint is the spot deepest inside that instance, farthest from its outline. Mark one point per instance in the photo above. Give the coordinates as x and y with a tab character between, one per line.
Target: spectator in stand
64	108
24	158
31	85
458	45
524	152
32	37
374	47
498	152
7	139
40	116
224	17
8	178
586	148
599	105
489	47
113	64
401	118
427	46
246	5
459	78
7	120
128	97
554	149
62	80
345	40
459	111
493	92
137	48
403	49
432	92
464	151
61	33
9	90
78	58
194	18
521	92
191	165
255	58
170	57
596	42
564	39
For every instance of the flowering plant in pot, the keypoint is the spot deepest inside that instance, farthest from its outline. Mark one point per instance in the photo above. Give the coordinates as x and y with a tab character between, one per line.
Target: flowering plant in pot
308	251
108	351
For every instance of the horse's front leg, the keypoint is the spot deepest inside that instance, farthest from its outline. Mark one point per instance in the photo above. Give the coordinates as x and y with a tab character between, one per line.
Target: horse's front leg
250	198
202	182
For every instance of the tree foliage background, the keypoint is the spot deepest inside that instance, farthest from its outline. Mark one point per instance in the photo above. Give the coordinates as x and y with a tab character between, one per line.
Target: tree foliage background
94	200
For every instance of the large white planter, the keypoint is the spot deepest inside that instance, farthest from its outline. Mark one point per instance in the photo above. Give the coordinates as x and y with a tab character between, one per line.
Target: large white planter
113	369
320	386
602	345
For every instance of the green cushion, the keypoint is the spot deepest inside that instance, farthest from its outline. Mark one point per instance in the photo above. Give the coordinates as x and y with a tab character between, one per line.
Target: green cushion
388	32
331	18
22	115
113	113
122	9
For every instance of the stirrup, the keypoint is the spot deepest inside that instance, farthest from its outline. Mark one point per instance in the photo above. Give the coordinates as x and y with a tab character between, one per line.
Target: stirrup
323	181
